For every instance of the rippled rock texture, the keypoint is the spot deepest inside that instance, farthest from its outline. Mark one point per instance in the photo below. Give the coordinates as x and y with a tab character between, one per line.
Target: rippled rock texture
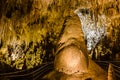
100	24
31	29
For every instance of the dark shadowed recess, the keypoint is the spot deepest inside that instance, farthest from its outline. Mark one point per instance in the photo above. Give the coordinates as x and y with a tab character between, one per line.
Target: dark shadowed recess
20	7
35	73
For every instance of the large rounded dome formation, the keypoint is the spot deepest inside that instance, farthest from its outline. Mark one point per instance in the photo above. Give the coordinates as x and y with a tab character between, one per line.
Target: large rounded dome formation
71	60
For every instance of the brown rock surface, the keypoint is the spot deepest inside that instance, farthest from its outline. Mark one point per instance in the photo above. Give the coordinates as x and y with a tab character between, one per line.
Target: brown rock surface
37	25
71	59
94	72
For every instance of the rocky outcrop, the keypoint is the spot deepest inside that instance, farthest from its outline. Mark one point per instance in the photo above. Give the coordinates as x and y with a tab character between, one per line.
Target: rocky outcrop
71	60
94	72
72	55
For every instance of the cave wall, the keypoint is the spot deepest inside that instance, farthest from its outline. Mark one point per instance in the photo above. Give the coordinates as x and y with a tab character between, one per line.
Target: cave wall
30	29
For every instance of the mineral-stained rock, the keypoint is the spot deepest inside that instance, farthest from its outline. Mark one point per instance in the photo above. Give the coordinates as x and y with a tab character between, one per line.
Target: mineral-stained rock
38	24
72	57
101	28
71	60
93	27
94	73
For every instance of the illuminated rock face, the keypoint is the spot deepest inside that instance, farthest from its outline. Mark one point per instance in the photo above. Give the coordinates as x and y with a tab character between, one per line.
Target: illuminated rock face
93	27
71	60
72	55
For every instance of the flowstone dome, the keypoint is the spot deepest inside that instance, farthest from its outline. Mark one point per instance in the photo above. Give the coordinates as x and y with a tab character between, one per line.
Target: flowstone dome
71	60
